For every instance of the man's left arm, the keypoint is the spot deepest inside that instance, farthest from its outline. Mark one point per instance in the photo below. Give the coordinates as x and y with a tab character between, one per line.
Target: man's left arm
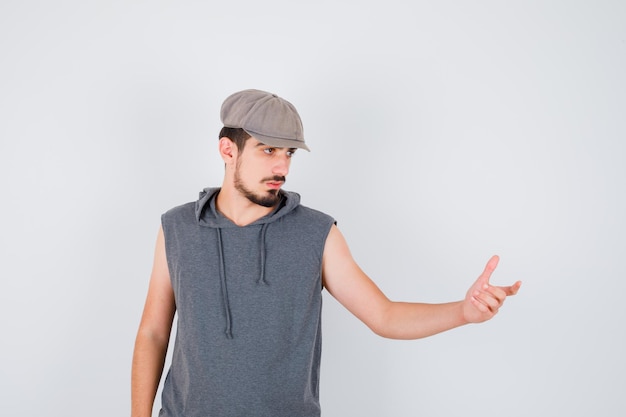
345	281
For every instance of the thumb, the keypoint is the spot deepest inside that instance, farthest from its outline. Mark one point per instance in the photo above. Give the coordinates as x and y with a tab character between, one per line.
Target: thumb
513	289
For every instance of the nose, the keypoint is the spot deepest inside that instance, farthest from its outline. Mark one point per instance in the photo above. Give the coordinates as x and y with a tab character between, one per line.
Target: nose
281	167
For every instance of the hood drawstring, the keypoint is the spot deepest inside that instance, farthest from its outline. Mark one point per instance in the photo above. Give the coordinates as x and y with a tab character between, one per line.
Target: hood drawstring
209	216
229	330
225	301
261	279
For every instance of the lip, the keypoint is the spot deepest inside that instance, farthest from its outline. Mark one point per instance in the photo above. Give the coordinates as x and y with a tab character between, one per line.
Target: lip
274	185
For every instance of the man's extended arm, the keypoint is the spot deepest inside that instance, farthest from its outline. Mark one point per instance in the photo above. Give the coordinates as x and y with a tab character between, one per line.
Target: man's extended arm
345	280
152	336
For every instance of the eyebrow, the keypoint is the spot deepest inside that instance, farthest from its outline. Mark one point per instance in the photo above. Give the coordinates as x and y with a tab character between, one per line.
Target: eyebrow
261	144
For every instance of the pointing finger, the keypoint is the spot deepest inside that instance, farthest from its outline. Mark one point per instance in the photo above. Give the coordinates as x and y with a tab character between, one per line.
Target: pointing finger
489	268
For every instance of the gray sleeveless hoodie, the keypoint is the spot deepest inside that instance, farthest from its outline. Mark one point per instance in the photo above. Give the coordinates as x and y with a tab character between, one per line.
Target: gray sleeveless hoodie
248	303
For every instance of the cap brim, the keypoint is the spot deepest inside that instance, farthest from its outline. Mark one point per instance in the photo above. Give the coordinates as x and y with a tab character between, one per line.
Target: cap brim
279	142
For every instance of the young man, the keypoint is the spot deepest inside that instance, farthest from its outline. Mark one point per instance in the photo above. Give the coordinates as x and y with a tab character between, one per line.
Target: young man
244	267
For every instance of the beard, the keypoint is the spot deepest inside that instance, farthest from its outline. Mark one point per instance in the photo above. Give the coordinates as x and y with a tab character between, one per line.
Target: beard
268	199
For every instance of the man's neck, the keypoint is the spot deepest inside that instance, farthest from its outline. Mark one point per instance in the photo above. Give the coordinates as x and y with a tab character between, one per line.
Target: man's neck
238	209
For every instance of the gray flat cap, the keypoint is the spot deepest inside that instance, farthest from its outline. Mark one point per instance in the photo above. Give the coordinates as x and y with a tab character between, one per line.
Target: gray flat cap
270	119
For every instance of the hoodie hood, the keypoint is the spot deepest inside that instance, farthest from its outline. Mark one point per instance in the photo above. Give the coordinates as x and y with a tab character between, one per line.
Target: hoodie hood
208	216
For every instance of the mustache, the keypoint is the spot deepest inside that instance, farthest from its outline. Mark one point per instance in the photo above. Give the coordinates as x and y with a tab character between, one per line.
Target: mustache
275	178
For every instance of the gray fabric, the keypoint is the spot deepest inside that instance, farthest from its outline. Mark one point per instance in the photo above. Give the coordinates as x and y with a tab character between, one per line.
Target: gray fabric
269	118
248	302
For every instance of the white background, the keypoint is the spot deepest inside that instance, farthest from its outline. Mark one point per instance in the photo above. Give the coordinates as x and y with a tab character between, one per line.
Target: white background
441	133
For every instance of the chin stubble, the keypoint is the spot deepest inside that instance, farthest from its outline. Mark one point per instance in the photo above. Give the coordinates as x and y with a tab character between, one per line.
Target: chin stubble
270	199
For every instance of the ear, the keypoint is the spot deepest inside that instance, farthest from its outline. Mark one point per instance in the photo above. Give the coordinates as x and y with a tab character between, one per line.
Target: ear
227	149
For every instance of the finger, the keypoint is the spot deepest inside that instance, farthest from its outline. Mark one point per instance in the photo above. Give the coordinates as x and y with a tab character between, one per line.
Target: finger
513	289
489	268
479	304
486	305
492	298
499	293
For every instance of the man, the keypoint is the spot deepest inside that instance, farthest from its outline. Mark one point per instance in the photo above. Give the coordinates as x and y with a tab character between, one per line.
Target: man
244	268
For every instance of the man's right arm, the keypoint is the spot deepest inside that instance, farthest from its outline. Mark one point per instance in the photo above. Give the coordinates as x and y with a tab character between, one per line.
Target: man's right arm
153	335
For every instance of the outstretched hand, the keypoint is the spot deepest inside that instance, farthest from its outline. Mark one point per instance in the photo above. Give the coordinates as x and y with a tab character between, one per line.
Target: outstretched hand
483	300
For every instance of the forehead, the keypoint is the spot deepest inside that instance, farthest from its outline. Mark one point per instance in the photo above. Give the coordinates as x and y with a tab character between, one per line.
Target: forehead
253	142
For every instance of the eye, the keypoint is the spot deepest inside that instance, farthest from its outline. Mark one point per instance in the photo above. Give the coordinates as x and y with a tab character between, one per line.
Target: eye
291	152
269	151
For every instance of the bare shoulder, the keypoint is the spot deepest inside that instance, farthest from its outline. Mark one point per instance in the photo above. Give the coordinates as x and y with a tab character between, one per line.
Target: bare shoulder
348	283
336	245
338	265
